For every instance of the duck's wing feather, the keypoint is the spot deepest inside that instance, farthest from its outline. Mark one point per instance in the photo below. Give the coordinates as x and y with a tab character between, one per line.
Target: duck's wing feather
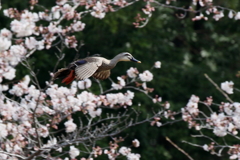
87	69
102	74
63	72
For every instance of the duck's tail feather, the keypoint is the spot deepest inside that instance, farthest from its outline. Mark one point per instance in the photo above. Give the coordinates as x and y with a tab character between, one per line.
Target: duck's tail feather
67	74
69	78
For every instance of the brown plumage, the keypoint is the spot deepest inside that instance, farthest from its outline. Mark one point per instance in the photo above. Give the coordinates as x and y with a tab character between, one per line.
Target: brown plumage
97	67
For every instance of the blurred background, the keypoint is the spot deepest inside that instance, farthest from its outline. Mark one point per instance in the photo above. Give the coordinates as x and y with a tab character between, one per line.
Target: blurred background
187	49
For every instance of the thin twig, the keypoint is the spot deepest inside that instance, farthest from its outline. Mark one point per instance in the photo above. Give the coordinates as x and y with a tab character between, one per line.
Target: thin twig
181	150
218	88
12	154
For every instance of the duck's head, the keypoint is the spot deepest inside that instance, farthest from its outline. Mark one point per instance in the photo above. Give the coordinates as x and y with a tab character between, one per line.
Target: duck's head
125	56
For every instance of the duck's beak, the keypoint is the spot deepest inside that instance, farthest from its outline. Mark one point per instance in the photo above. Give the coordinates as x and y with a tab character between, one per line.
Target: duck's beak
135	60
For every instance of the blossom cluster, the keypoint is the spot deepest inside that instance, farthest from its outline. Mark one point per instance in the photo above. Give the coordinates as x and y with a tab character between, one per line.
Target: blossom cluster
222	122
114	152
20	117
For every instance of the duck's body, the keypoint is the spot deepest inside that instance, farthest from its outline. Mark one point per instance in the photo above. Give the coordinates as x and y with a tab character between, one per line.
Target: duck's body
97	67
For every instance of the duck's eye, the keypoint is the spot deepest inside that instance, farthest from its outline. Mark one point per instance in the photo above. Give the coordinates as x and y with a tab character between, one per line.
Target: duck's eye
127	54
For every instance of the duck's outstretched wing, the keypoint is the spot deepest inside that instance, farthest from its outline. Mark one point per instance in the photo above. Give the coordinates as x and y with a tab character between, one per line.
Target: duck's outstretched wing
102	74
86	69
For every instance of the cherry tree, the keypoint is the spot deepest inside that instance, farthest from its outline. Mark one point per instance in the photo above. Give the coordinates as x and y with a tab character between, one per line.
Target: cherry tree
32	116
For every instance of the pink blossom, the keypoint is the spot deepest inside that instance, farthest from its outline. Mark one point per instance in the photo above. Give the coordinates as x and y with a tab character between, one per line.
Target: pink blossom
234	156
166	105
136	143
16	54
84	84
30	42
70	126
148	9
237	17
4	44
144	85
157	64
121	83
44	16
205	147
146	76
54	29
99	10
85	97
27	16
9	73
51	143
159	124
17	90
218	15
93	112
3	88
22	28
220	131
74	152
194	99
116	86
66	8
3	131
71	42
55	12
129	95
227	87
6	33
132	72
133	156
124	151
78	26
192	105
43	131
230	14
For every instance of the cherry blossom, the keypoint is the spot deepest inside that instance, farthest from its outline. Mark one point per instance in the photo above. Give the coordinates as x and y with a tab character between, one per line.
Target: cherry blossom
3	131
120	98
70	126
6	33
124	151
84	84
133	156
99	10
136	143
237	17
9	73
32	43
22	28
4	44
227	87
146	76
121	83
93	111
74	152
157	64
78	26
230	14
132	72
218	15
